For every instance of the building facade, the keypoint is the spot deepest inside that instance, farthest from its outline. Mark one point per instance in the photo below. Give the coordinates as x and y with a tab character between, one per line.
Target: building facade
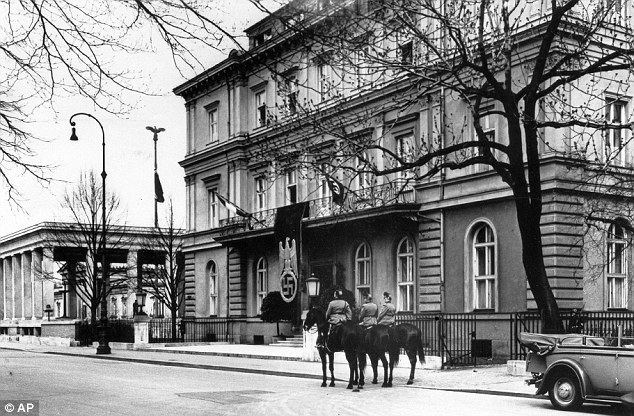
447	243
35	285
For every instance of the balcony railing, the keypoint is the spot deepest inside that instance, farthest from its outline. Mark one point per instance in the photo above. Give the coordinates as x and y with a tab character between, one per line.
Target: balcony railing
359	200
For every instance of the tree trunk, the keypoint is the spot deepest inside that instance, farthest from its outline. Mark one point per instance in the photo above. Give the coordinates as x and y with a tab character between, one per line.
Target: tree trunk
533	260
174	310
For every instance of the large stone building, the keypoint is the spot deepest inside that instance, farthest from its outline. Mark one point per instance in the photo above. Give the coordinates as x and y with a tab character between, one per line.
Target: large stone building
449	243
34	278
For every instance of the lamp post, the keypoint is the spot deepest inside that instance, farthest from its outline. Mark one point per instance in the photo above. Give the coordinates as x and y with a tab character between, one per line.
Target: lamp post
156	131
312	287
103	347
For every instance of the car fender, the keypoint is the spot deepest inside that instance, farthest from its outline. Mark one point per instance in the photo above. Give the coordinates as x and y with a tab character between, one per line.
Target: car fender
569	364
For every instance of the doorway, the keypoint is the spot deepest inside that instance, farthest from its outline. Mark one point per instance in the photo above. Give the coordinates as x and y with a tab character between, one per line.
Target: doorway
325	272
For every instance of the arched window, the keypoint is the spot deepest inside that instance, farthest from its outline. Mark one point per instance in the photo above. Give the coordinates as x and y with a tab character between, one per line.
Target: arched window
362	270
617	267
405	275
212	276
484	268
261	278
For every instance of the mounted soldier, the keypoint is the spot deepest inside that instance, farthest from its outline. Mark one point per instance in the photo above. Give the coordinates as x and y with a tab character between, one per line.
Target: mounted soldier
368	313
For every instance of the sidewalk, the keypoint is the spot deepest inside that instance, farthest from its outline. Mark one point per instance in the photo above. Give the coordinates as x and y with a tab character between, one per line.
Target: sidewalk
283	361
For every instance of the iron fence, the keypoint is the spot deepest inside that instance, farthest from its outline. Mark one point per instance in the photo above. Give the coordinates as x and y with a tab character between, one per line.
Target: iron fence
448	335
160	330
190	329
596	324
119	330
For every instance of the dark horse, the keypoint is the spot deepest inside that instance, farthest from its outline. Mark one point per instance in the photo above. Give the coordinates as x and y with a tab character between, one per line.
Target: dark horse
344	338
381	339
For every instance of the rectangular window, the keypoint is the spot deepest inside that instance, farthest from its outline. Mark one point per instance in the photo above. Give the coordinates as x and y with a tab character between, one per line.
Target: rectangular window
405	152
289	91
616	113
213	209
213	125
260	109
291	187
406	53
260	194
324	79
405	281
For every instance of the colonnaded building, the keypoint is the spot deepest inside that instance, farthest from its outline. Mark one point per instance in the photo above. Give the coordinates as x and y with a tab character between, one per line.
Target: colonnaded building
442	243
35	287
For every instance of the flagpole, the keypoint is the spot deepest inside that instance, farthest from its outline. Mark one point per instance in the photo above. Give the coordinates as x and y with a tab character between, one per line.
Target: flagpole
156	131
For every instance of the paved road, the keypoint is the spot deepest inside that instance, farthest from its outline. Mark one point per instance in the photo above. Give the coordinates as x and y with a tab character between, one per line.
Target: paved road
85	386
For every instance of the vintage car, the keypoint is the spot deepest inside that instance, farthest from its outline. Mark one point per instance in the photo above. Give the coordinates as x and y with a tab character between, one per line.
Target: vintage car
574	368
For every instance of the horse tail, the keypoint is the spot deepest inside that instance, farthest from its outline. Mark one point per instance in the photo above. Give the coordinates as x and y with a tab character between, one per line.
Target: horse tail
420	349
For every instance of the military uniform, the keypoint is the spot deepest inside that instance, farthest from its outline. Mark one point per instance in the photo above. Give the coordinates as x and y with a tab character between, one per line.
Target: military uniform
338	312
367	315
387	316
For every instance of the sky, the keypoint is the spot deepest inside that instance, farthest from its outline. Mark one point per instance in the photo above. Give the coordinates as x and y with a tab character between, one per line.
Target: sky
129	146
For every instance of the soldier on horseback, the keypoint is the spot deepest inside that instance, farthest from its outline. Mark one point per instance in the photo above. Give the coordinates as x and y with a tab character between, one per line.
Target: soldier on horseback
368	313
387	316
337	313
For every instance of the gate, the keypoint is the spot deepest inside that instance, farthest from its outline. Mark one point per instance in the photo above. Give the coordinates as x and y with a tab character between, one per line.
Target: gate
449	336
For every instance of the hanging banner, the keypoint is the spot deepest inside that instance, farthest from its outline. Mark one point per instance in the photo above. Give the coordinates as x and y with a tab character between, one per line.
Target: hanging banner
287	230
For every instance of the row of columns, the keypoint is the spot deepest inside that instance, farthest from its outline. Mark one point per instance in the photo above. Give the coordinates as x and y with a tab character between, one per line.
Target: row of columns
24	288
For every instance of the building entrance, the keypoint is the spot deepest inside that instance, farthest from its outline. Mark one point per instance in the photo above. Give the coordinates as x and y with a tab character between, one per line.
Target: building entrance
325	272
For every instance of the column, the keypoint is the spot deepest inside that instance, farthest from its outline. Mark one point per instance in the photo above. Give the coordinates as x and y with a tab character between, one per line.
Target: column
72	293
27	288
48	287
36	272
18	285
3	304
8	287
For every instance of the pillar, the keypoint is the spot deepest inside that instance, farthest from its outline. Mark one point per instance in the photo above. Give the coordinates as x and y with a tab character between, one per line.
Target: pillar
8	287
36	273
48	287
18	285
27	287
71	295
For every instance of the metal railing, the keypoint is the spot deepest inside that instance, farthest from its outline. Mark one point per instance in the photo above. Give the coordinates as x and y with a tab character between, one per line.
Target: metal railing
448	335
119	330
355	200
191	329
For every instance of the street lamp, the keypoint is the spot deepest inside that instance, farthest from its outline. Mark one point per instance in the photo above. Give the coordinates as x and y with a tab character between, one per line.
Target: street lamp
312	286
156	131
103	347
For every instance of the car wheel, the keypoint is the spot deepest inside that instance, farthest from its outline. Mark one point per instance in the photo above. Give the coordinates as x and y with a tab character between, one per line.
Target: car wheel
565	393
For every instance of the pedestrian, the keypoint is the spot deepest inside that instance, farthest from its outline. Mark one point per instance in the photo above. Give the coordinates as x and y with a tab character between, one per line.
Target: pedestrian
387	316
368	313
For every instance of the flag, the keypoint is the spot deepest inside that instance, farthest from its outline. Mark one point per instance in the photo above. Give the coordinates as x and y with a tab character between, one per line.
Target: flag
288	220
231	207
337	189
158	189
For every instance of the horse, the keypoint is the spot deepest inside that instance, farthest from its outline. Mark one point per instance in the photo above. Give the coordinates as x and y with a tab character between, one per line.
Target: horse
376	342
408	337
346	338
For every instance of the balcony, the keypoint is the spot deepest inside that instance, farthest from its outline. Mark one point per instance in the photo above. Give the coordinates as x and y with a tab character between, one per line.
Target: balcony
365	200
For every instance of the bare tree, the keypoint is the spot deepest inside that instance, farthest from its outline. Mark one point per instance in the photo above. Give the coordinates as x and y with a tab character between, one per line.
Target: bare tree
55	49
84	244
165	279
553	75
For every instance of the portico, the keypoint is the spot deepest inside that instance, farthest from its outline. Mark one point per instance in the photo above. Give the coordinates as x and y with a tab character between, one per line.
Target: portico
29	272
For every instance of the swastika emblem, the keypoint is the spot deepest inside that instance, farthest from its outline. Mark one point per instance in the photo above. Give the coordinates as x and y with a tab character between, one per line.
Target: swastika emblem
288	282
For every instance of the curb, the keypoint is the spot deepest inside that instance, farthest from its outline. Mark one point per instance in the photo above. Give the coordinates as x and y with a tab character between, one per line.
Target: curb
222	354
263	372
